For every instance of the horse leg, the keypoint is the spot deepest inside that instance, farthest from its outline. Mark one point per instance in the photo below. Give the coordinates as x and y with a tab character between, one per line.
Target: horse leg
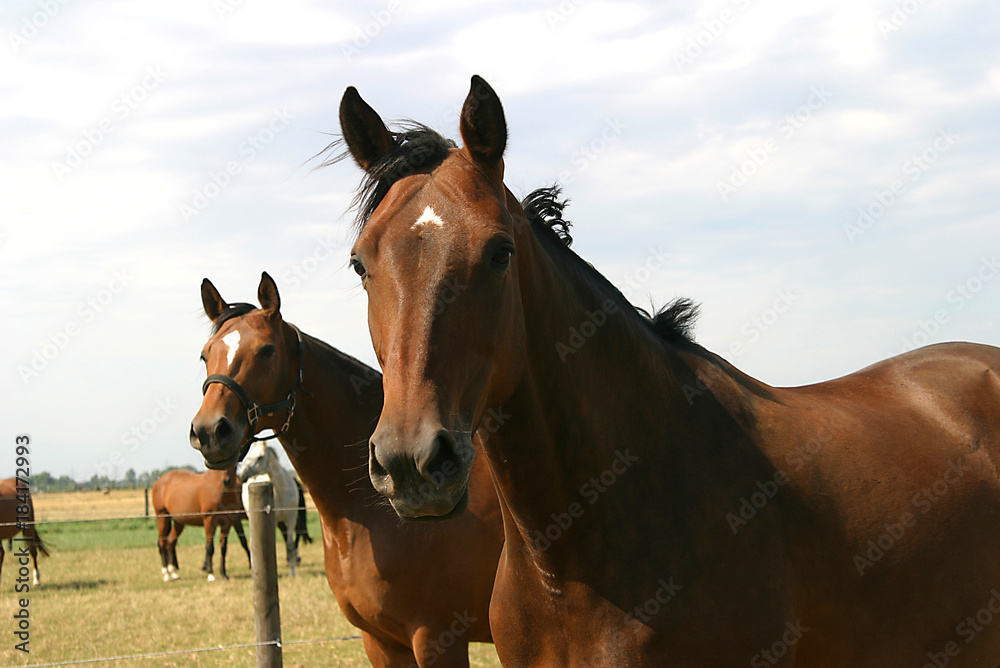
223	541
290	549
209	546
387	653
238	525
287	534
34	547
1	557
162	529
175	533
33	551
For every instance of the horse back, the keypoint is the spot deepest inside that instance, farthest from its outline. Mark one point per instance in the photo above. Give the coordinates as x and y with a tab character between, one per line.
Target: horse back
889	495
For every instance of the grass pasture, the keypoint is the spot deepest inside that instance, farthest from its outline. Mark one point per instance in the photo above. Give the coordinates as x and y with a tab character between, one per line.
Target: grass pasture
102	596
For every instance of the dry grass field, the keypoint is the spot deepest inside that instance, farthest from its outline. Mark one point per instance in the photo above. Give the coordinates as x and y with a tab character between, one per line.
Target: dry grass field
102	596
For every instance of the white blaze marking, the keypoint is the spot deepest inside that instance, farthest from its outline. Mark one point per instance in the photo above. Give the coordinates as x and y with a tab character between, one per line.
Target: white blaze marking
232	341
428	216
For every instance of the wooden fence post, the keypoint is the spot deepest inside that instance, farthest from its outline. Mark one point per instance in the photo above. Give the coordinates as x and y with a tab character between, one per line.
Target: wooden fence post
147	502
264	568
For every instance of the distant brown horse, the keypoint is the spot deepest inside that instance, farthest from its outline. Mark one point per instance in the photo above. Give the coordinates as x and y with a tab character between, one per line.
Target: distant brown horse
419	593
17	515
661	507
210	499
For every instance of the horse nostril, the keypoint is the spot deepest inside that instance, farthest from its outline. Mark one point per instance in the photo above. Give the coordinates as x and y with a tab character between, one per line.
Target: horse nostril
375	466
223	430
380	476
443	465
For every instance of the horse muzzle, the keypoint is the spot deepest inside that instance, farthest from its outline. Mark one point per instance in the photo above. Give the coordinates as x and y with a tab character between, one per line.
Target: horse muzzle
425	477
219	441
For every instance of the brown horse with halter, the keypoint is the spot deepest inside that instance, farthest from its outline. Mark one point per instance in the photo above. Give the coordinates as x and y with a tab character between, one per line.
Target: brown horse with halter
661	507
419	593
210	499
17	516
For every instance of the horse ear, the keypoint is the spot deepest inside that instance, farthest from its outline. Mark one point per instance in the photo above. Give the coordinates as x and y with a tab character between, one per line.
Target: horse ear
212	301
267	293
367	138
483	125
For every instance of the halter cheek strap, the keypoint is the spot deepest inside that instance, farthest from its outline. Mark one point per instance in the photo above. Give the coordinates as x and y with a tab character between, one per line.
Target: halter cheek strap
256	411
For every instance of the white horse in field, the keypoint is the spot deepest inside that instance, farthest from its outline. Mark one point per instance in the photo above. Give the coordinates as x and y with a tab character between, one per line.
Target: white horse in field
261	465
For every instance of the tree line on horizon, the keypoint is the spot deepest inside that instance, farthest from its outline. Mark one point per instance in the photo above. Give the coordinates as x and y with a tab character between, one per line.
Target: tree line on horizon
44	481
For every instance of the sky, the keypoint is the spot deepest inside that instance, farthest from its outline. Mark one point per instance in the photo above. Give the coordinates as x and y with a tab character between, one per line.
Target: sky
822	177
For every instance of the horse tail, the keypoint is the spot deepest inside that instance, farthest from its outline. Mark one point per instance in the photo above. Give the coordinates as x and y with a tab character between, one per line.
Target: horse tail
301	530
35	539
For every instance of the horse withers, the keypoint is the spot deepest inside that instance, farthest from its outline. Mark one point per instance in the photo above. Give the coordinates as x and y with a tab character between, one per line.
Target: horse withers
17	516
210	499
419	592
660	506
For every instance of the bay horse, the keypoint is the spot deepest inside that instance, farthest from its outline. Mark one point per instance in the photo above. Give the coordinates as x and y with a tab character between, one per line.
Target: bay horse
261	464
418	593
210	499
17	516
660	507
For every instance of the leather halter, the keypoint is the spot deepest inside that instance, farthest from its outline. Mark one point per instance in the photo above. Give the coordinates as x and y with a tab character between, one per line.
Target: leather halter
256	411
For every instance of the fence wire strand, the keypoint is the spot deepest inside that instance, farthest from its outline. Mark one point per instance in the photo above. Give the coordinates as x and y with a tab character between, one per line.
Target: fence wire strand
151	655
145	517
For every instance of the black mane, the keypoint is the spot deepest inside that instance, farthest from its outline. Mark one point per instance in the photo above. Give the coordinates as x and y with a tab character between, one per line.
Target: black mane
418	147
231	311
415	147
673	323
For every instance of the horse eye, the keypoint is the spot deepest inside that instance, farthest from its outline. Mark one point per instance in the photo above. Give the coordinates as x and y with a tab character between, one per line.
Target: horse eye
358	267
501	258
266	351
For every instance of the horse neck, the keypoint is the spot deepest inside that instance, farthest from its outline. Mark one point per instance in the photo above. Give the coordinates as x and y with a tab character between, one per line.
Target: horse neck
610	398
335	412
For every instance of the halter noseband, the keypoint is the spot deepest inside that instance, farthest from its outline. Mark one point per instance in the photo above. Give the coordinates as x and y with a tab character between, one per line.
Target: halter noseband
256	411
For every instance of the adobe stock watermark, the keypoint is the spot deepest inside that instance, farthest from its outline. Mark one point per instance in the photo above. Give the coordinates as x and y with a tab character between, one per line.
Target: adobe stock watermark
913	168
757	157
137	434
968	630
248	150
779	648
364	34
711	30
579	335
586	154
957	298
591	491
757	325
561	13
923	502
645	612
795	460
445	640
86	312
33	25
121	108
900	15
655	260
222	8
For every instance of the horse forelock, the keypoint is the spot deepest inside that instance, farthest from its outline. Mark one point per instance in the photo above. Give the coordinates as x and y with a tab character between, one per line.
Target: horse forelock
416	148
231	311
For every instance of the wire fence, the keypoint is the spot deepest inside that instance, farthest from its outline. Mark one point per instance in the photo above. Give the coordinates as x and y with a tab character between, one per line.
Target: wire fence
160	654
153	655
145	517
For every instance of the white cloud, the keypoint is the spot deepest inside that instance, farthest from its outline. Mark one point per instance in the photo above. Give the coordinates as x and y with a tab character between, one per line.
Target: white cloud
562	82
